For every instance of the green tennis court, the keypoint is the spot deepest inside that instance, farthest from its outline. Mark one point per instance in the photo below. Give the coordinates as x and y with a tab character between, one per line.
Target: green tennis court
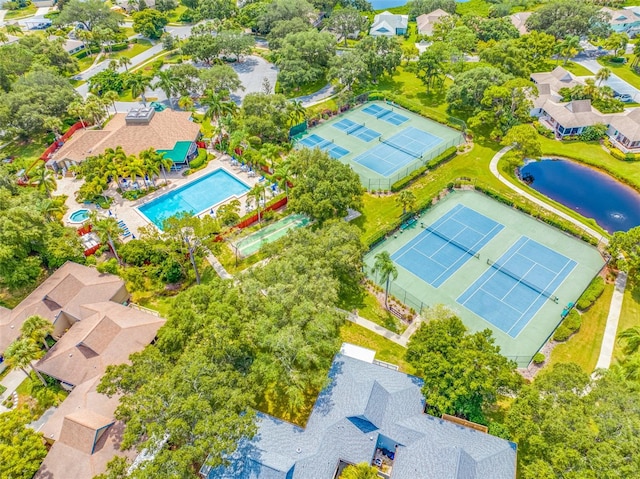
507	280
381	141
252	243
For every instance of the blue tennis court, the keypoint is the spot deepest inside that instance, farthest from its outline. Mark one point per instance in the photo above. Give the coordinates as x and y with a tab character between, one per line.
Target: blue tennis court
515	287
398	151
385	114
315	141
356	129
443	247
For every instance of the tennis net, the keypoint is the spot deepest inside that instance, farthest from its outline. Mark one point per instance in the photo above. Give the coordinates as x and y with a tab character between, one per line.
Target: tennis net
384	112
469	251
404	150
323	144
353	129
520	279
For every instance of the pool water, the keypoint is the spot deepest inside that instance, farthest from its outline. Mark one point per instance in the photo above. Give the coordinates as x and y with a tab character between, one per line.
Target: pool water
194	197
79	216
593	194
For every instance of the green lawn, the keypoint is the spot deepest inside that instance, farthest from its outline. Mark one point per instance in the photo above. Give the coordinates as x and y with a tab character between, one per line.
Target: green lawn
25	152
629	317
174	15
28	11
86	62
592	154
624	71
385	350
583	348
473	7
133	50
368	307
306	89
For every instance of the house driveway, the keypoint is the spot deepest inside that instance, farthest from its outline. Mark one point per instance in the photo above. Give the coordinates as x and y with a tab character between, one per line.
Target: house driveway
616	83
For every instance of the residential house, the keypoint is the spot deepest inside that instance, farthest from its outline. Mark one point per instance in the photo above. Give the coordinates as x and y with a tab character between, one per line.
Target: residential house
61	299
168	131
94	329
389	25
426	21
373	414
624	20
571	118
519	20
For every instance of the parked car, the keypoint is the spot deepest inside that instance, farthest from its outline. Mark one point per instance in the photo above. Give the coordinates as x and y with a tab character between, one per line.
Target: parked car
625	98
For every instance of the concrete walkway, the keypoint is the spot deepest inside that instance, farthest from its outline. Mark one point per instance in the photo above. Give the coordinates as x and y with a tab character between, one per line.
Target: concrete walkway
376	328
2	14
11	381
493	166
213	261
317	97
611	329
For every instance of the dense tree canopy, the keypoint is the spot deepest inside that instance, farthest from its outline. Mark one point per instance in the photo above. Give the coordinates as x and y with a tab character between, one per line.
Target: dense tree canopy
90	14
562	18
324	187
625	248
21	448
463	373
264	341
569	425
280	10
150	23
467	91
418	7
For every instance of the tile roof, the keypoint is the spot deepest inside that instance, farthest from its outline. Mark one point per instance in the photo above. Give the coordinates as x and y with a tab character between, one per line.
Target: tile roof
165	129
66	290
363	407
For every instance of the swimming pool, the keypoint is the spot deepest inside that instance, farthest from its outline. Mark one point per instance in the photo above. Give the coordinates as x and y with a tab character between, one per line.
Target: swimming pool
79	216
194	197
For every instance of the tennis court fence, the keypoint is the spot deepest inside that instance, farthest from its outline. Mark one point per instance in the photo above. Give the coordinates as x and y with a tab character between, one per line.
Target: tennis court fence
376	184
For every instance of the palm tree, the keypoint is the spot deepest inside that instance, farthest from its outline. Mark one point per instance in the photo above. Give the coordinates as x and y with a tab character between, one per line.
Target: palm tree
133	169
53	124
297	112
21	353
50	209
37	329
151	161
258	193
77	108
3	37
185	103
107	229
115	161
284	174
112	96
217	106
124	62
13	29
407	200
603	75
167	83
138	83
387	270
631	337
568	48
590	89
45	180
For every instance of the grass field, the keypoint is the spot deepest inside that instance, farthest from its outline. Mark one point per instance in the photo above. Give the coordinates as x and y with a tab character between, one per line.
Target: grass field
21	13
385	350
629	317
133	50
583	348
623	70
369	307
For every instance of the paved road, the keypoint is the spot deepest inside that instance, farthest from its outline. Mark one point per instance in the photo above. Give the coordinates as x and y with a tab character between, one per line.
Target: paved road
493	166
611	329
616	83
181	32
317	97
252	71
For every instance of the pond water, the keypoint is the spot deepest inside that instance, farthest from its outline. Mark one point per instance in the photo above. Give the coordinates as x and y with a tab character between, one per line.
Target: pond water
592	193
384	4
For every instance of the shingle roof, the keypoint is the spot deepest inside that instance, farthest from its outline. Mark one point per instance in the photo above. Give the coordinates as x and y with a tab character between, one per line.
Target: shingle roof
427	20
363	407
165	129
628	125
109	335
519	20
623	15
66	290
387	21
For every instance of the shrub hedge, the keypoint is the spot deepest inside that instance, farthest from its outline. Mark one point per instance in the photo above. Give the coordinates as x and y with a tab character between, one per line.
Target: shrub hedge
434	163
593	292
569	325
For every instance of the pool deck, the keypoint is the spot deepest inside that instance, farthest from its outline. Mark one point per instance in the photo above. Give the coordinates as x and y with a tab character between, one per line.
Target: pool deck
127	210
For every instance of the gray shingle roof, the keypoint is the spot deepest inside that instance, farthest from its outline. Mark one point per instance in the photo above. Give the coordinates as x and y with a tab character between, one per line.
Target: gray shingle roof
364	407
